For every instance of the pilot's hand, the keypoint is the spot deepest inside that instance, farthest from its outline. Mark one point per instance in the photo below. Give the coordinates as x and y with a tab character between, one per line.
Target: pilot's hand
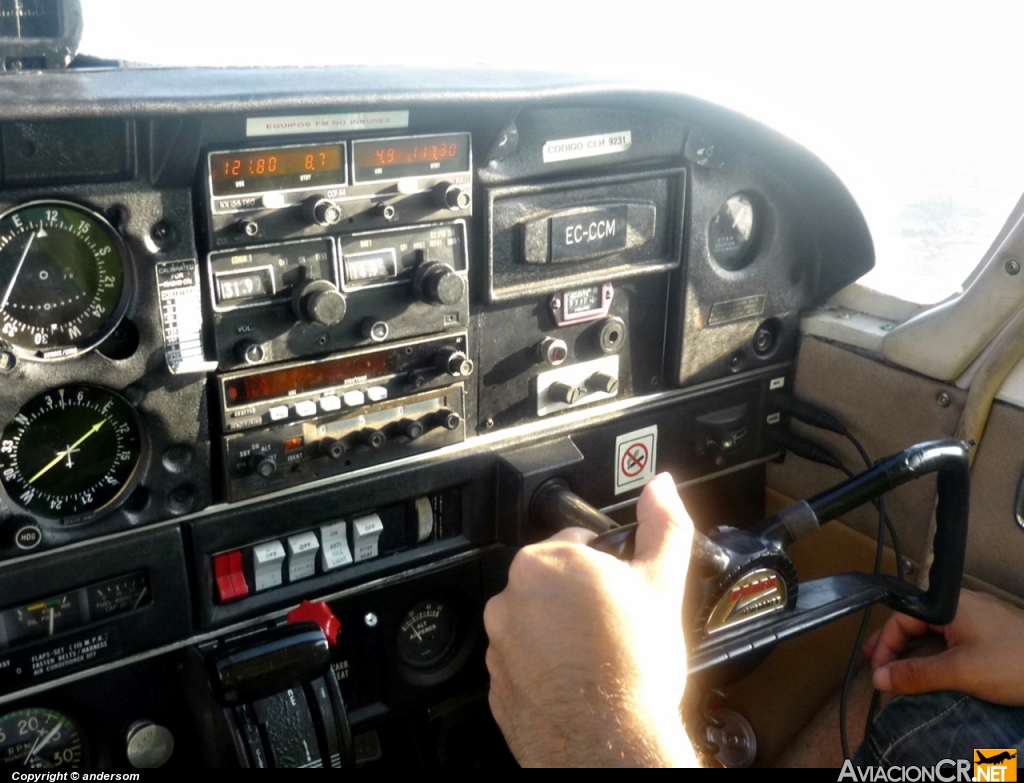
586	655
982	657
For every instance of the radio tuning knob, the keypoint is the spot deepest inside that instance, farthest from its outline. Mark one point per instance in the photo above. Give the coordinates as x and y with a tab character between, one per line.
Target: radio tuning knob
333	448
319	302
448	419
449	196
438	284
321	211
372	438
410	428
454	363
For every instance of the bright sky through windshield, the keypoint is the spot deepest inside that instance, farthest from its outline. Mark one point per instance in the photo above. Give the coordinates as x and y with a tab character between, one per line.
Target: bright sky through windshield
914	105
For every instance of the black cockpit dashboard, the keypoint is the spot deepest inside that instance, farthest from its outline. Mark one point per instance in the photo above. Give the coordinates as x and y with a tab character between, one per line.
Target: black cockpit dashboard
270	336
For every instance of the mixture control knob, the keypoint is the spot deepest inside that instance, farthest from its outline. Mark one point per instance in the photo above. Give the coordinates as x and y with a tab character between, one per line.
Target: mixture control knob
438	284
410	428
319	302
263	465
448	419
455	363
449	196
563	392
321	211
372	438
603	382
333	448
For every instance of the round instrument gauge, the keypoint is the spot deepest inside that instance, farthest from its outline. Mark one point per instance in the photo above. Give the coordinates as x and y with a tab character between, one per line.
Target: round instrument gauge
427	634
65	279
37	738
732	233
71	452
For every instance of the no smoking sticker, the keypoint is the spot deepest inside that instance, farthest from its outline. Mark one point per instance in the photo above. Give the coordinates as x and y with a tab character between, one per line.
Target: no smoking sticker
635	458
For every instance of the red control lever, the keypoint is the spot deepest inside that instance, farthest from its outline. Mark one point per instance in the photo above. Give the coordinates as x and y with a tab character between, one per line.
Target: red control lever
320	613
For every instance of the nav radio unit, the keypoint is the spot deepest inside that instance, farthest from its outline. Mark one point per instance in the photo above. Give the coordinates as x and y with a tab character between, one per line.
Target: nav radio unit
337	275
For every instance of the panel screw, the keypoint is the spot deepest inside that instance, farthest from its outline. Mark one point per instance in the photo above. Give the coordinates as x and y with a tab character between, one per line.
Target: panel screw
161	233
321	340
556	303
1012	267
942	399
908	567
370	619
7	360
489	423
886	327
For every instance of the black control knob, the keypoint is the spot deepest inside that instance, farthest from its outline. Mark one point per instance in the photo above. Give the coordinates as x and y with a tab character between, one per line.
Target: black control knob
438	284
563	392
322	211
263	465
250	351
449	196
602	382
333	448
319	302
454	363
375	330
388	212
410	428
448	419
372	438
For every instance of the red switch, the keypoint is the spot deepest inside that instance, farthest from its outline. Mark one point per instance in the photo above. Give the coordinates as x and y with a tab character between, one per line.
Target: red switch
228	574
319	613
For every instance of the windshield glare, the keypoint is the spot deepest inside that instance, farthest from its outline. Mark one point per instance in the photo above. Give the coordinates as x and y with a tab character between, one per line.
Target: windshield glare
913	106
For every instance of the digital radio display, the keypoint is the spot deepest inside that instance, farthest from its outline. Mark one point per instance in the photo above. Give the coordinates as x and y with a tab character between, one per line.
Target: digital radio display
420	156
307	378
282	168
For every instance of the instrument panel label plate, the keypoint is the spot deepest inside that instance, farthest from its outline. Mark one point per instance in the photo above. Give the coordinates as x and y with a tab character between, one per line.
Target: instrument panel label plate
635	458
736	310
587	146
326	123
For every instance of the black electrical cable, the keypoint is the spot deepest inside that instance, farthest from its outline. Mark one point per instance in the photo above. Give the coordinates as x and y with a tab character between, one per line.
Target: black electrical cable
816	417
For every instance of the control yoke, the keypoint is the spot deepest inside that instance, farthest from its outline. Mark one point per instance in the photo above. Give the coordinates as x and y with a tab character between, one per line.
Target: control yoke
751	599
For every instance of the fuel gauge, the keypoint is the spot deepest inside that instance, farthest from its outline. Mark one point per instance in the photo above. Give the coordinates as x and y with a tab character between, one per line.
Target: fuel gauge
121	594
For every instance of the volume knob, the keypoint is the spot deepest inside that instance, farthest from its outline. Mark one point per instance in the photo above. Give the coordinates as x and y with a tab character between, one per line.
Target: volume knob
319	302
438	284
448	196
454	363
322	211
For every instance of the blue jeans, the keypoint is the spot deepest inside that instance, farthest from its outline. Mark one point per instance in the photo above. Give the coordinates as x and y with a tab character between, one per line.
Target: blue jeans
922	730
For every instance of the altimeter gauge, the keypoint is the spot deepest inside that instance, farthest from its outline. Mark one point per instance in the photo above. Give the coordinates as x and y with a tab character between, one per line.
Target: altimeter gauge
72	452
65	279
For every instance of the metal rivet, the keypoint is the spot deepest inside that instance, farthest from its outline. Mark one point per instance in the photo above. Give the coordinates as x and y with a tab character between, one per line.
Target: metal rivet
908	566
886	327
1012	267
489	423
370	619
942	399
